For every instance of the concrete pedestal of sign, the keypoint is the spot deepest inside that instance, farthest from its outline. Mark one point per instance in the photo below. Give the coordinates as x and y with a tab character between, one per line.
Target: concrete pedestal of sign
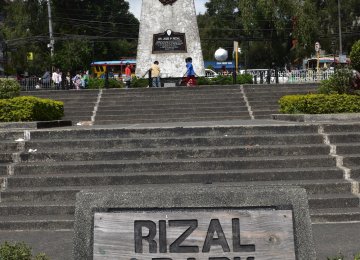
188	221
169	34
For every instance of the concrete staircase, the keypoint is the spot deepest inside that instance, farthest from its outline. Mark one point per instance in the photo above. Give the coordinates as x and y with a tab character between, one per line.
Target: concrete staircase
39	188
181	104
263	99
132	106
78	104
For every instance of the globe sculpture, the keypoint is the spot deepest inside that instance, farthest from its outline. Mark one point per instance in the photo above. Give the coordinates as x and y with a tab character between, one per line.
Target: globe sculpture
221	54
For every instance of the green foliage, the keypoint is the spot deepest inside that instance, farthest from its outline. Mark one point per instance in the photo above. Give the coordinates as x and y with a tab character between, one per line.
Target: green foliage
30	109
355	56
19	251
9	88
139	82
320	104
225	80
95	83
339	83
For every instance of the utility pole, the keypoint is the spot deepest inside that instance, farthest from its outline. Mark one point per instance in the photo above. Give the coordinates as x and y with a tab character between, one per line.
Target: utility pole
340	36
52	41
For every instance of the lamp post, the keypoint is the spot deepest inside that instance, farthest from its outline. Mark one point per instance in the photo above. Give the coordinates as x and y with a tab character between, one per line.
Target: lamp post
340	36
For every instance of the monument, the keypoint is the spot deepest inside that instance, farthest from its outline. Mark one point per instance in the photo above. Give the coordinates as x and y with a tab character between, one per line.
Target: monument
169	34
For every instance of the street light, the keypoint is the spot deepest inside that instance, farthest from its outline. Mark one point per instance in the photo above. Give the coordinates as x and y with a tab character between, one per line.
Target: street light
340	36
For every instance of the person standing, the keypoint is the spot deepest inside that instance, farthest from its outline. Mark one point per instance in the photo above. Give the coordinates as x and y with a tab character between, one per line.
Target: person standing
190	73
128	75
155	75
56	78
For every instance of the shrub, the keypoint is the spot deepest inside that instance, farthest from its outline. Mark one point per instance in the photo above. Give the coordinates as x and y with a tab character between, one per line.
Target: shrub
30	109
355	56
339	83
18	251
139	82
244	79
319	104
9	88
95	83
226	80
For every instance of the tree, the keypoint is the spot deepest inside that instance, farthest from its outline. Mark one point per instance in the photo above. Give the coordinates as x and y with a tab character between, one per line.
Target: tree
355	56
328	26
23	30
281	31
103	30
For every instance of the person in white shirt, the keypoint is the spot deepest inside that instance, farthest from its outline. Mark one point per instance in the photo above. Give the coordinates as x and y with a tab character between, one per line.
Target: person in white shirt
56	78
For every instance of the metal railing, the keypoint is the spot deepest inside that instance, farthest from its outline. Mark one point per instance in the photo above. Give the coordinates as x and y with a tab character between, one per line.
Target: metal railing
34	83
284	77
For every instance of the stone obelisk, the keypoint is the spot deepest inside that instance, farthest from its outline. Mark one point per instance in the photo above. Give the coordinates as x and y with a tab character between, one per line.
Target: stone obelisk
169	34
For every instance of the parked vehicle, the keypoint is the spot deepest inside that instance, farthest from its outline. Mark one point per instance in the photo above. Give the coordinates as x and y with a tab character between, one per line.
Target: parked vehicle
210	73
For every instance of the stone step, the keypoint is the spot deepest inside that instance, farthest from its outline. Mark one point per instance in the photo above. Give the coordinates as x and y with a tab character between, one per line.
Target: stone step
175	165
67	193
99	122
11	135
355	173
163	116
96	142
159	111
171	153
34	209
9	146
222	131
200	176
352	160
173	102
225	94
138	106
3	169
342	128
73	113
38	222
347	148
79	107
77	117
349	137
173	89
5	157
335	215
327	201
60	92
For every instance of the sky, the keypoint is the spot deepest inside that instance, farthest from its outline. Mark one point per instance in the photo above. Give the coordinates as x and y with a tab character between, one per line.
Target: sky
135	6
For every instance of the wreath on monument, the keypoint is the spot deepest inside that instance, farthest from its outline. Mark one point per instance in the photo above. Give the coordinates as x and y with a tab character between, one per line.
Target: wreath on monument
167	2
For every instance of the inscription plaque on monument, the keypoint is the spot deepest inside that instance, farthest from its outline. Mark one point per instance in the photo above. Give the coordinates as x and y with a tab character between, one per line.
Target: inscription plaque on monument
169	41
217	234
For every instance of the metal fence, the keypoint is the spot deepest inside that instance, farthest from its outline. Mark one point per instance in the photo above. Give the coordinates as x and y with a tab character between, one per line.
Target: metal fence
284	77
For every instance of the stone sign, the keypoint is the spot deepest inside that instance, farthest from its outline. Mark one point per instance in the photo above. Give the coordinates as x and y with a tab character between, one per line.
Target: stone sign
169	42
195	234
193	222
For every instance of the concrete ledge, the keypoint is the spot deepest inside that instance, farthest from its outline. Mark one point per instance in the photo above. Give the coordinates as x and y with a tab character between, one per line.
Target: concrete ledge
189	197
316	118
35	125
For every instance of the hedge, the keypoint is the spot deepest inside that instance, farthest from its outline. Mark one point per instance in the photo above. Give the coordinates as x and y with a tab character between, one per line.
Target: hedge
9	88
21	109
19	251
96	83
320	104
226	80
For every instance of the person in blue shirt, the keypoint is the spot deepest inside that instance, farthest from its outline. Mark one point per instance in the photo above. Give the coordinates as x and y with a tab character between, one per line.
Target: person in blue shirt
190	73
